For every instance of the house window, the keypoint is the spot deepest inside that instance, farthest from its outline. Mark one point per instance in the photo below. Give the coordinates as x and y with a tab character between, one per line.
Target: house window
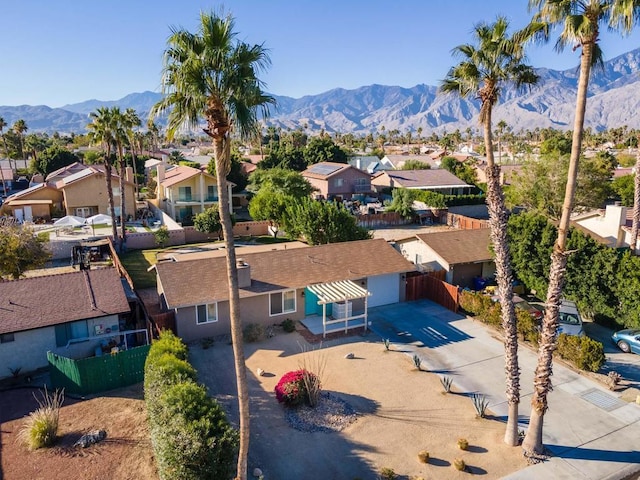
71	331
338	182
212	193
207	313
6	338
184	194
282	302
116	191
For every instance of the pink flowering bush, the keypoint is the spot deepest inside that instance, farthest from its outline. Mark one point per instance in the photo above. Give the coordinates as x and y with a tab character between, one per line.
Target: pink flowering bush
292	389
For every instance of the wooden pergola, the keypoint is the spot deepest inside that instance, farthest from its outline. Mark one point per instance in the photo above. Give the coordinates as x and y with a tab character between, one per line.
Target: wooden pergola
337	292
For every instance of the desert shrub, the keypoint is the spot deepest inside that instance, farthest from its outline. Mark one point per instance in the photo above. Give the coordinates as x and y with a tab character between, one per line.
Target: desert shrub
527	326
417	361
193	439
463	444
423	456
480	403
41	427
446	383
459	465
387	473
584	352
470	302
292	388
253	332
288	325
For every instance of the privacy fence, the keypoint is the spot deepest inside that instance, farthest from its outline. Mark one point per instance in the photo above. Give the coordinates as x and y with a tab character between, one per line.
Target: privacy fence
98	374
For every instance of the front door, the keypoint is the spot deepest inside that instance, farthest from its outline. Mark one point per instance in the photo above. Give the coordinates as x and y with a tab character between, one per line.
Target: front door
28	213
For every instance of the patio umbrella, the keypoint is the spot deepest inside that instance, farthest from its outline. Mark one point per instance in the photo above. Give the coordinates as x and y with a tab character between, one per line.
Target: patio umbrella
99	219
69	221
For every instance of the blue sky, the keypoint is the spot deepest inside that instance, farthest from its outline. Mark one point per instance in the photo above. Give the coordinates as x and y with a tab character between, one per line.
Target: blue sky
60	52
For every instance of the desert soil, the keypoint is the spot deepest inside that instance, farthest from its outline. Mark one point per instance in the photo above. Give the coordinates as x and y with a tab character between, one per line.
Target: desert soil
125	453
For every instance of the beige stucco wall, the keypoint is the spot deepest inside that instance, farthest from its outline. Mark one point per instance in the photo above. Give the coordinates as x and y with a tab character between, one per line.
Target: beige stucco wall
29	348
92	192
252	310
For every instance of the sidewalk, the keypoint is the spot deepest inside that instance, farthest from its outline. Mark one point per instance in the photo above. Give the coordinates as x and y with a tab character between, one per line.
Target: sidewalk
590	432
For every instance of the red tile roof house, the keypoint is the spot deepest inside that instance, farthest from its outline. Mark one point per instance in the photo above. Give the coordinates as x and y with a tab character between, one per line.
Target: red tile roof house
464	254
280	284
53	312
437	180
337	181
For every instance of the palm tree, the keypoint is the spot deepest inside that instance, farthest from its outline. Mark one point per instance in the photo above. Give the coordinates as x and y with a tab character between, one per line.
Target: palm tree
213	75
101	131
132	121
20	127
120	138
496	59
2	125
633	243
580	21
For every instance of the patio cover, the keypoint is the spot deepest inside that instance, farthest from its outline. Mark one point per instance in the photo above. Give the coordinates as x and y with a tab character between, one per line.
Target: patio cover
340	291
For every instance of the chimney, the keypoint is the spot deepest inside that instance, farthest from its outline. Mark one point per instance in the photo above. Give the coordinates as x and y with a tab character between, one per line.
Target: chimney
244	273
129	174
160	169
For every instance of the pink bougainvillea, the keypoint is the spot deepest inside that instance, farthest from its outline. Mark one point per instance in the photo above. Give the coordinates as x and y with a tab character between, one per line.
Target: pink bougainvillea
291	389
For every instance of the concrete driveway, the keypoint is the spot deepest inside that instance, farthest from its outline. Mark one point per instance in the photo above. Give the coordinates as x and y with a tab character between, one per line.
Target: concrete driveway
626	364
590	431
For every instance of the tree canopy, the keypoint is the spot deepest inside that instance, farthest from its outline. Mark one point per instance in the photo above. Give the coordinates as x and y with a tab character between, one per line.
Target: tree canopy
53	158
20	251
282	181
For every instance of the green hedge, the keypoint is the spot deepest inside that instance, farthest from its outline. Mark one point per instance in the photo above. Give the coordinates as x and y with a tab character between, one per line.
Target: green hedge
190	434
584	352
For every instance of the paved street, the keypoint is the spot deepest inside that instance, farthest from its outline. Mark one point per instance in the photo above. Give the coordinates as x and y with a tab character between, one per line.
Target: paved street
591	433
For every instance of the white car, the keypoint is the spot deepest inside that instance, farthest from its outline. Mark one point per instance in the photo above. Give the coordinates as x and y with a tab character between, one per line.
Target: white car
570	321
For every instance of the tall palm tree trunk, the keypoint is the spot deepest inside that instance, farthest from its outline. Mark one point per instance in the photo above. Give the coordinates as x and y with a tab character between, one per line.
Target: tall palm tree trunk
532	444
123	213
222	150
633	244
498	218
108	176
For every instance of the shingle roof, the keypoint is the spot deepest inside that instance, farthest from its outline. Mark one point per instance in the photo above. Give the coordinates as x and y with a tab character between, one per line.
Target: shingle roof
432	178
43	301
200	281
460	246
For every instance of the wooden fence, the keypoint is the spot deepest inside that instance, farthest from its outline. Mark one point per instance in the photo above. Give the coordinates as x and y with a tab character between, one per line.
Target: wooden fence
428	285
465	223
98	374
382	219
164	321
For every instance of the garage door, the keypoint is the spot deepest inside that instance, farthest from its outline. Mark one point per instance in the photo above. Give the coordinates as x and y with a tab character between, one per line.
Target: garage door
385	289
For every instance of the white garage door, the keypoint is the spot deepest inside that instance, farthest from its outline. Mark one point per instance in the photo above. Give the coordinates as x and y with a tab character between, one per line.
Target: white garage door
385	289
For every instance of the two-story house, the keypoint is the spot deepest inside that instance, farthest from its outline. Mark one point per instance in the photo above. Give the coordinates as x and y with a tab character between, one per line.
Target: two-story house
184	191
337	181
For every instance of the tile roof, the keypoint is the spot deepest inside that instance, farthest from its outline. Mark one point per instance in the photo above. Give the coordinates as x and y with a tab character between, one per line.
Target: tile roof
36	302
460	246
179	173
431	178
201	281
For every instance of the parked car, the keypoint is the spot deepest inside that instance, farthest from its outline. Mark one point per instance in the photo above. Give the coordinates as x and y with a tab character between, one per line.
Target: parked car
569	319
627	340
522	304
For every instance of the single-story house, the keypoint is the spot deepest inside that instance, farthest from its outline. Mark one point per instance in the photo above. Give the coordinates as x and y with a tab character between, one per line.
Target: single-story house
435	180
281	284
69	314
463	254
368	163
338	181
38	201
611	227
396	162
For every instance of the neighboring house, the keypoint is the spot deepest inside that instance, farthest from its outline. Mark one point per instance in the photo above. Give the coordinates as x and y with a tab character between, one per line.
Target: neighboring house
463	254
61	173
85	192
275	285
611	227
396	162
39	201
435	180
59	313
337	181
184	192
370	164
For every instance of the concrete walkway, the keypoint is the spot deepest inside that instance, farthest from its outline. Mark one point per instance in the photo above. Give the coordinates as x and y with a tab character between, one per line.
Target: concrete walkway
590	432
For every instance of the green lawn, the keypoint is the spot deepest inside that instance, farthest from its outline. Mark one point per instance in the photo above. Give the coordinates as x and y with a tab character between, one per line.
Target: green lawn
137	262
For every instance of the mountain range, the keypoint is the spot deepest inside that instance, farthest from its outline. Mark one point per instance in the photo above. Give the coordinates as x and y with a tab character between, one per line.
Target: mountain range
614	100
